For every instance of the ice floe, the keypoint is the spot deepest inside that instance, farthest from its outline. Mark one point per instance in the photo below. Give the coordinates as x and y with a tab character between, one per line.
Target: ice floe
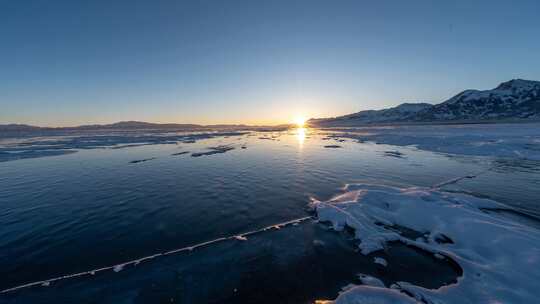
141	160
500	257
214	150
370	281
180	153
395	154
380	261
69	142
267	138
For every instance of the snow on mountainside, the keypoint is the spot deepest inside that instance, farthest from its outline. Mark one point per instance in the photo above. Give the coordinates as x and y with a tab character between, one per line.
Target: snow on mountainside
402	112
514	99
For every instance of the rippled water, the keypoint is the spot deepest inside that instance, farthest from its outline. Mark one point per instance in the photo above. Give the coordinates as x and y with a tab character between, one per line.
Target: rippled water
101	206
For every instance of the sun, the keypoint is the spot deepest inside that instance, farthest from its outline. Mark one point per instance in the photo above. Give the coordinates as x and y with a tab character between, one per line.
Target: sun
300	121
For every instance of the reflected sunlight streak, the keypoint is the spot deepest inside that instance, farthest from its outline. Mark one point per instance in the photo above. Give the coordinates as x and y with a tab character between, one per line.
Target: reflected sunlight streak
301	135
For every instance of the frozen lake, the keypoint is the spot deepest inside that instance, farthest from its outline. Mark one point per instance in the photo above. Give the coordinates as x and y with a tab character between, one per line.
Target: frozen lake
72	203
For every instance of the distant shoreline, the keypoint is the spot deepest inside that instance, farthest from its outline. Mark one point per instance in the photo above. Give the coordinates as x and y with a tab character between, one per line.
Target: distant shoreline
13	129
430	123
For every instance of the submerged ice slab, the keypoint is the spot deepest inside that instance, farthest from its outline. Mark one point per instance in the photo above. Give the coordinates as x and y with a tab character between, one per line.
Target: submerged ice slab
373	295
180	153
141	160
333	146
23	154
395	154
500	257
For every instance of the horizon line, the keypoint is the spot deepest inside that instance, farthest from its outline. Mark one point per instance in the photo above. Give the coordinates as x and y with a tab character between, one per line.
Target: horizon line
146	122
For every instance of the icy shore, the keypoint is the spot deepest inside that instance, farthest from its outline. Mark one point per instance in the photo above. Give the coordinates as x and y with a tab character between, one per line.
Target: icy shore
496	140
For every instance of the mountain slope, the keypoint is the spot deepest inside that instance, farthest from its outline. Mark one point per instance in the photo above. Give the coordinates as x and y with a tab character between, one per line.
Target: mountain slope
401	112
17	127
517	99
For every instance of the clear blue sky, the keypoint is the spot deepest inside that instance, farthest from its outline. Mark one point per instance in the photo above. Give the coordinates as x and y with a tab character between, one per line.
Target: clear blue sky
76	62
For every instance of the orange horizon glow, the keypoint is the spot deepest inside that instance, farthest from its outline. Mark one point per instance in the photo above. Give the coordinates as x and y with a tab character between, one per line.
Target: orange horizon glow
296	116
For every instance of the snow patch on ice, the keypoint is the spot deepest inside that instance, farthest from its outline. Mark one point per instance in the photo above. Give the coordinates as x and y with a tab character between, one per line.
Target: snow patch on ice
118	268
500	257
370	281
380	261
439	256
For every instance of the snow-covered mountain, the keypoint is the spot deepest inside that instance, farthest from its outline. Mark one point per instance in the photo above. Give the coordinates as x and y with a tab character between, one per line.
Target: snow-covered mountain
404	111
516	99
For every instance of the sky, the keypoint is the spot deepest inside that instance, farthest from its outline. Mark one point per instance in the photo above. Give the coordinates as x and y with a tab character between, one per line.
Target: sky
65	63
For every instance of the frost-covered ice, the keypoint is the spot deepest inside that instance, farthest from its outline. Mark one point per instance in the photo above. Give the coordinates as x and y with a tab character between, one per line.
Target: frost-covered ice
370	281
500	257
118	268
498	140
380	261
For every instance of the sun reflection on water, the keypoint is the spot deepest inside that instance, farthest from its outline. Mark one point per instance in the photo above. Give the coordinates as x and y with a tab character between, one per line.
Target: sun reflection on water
301	135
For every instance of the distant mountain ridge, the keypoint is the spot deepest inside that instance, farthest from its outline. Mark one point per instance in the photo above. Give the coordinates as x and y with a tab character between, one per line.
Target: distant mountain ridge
517	99
134	125
123	125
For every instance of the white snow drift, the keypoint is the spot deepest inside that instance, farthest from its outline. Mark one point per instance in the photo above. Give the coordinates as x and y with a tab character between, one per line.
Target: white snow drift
500	257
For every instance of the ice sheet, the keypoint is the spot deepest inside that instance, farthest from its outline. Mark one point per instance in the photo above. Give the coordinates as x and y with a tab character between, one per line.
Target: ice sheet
497	140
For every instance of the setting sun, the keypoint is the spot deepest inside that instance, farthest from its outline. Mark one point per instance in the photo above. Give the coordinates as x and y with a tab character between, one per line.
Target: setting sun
300	121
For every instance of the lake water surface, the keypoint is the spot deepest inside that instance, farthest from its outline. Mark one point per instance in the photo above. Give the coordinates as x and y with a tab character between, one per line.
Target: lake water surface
101	206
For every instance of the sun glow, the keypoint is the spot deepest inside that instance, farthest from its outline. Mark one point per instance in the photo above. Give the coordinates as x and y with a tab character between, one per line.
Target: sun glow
300	121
